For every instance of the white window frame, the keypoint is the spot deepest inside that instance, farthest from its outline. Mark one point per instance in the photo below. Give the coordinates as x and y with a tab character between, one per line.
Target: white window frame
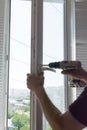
4	42
36	57
37	38
70	46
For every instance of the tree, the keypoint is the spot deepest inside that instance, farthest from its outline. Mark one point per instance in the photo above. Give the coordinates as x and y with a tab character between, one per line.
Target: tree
25	127
26	108
19	120
10	112
19	99
48	127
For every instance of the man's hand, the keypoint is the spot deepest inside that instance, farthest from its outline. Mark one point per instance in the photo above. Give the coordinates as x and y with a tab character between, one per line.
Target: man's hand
79	83
79	74
35	82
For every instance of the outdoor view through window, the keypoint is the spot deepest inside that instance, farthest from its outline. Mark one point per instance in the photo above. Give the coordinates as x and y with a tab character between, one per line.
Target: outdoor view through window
20	51
20	41
53	51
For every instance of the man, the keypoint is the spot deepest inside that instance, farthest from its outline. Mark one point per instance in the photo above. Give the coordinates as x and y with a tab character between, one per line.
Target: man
73	119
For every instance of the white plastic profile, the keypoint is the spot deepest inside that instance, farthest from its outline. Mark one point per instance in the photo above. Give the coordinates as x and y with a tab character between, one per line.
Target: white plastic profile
70	45
36	59
4	41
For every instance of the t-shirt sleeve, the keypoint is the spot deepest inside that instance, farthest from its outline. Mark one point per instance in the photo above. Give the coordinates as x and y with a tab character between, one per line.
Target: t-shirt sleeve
78	108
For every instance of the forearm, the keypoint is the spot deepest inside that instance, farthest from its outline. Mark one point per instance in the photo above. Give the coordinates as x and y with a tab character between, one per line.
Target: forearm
52	114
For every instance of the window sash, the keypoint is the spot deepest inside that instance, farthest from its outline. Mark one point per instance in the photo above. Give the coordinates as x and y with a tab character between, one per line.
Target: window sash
4	41
36	59
69	37
70	46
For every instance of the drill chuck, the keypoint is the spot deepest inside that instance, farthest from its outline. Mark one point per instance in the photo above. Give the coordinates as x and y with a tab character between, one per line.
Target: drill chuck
65	65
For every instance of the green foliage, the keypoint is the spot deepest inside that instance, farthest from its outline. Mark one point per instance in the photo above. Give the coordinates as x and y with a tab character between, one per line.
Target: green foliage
48	127
27	97
19	99
25	127
26	108
15	128
19	120
10	112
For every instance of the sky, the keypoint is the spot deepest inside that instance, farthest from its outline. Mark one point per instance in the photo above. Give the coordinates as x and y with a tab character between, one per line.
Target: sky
20	42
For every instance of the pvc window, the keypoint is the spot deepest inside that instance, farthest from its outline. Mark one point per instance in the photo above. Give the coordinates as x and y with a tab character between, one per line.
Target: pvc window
31	33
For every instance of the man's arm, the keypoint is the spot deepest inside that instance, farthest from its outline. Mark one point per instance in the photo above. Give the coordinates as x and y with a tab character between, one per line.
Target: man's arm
56	119
53	115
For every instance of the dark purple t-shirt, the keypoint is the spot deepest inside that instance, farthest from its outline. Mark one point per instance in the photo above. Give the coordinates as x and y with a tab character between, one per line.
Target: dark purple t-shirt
78	108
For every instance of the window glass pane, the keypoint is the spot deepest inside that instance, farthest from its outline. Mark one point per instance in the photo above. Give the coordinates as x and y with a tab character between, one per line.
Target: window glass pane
20	37
53	51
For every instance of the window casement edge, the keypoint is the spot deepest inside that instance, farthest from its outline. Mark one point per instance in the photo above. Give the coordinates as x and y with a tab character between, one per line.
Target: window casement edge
4	41
36	59
70	45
